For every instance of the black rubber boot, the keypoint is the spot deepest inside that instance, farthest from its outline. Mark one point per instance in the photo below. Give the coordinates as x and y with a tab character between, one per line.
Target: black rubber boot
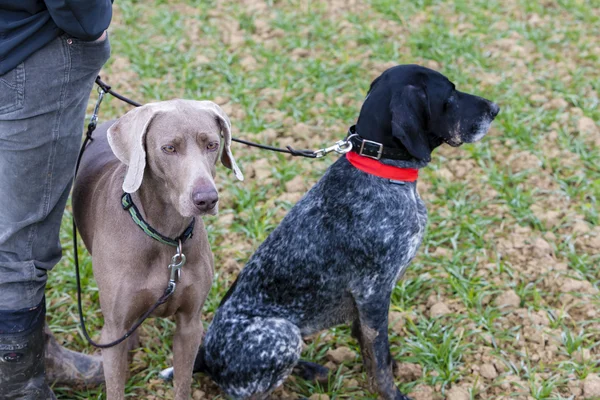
69	367
22	374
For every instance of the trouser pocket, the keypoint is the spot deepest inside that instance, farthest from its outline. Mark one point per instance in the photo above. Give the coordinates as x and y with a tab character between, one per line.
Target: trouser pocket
12	89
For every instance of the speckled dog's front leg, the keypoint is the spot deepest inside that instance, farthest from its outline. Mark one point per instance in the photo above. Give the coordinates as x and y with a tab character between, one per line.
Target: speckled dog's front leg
371	331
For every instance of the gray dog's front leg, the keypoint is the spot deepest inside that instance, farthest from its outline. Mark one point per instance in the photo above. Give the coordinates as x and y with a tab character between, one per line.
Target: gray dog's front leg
186	342
115	364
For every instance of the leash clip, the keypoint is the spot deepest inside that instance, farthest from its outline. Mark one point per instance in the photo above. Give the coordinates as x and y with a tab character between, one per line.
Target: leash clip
177	262
340	147
94	118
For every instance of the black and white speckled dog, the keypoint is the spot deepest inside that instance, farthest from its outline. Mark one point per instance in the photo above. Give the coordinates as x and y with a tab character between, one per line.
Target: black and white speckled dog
337	255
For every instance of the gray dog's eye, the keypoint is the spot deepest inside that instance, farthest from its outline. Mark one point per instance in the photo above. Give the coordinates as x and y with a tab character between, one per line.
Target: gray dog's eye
168	149
212	146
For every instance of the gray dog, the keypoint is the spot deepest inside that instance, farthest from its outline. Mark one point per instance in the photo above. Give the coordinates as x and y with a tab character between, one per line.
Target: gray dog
162	165
337	255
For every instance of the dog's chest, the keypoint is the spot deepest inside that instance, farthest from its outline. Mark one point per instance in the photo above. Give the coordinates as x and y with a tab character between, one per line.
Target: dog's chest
351	234
403	234
409	245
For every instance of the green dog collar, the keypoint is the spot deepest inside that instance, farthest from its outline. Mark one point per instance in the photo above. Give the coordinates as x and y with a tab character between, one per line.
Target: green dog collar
127	203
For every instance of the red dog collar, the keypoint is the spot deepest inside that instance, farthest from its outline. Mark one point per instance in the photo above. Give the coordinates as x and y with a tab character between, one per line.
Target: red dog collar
377	168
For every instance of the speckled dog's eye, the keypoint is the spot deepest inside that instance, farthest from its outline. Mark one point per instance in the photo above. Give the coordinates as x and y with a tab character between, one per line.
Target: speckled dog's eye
212	146
448	102
168	149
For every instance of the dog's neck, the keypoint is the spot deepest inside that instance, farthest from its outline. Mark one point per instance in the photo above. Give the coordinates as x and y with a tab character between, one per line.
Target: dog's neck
391	143
159	213
412	164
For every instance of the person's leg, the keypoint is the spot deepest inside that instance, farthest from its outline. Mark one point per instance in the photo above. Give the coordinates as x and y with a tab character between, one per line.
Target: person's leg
42	111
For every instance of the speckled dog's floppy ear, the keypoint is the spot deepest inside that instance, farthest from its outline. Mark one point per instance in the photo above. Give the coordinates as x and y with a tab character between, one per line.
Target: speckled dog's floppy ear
127	139
410	115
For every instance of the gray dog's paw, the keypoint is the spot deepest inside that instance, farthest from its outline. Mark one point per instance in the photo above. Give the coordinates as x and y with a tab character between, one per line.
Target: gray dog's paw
166	374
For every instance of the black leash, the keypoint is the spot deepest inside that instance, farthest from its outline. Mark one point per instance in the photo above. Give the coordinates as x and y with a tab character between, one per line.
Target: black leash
105	88
340	147
353	142
168	292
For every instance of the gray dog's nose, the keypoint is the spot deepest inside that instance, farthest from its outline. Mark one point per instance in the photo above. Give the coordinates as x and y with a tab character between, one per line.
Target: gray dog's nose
494	109
205	200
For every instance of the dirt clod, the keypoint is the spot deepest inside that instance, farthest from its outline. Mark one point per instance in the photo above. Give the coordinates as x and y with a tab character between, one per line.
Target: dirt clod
591	387
438	310
574	285
226	219
510	298
340	355
580	227
261	169
575	387
458	393
319	396
538	99
582	355
408	372
230	265
198	395
587	126
295	185
351	383
541	248
557	104
422	392
396	320
488	371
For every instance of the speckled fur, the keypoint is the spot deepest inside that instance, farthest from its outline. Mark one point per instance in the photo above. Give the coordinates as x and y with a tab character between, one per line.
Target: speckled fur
337	255
346	243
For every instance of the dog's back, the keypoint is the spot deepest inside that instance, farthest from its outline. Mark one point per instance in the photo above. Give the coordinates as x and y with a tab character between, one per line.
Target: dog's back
98	168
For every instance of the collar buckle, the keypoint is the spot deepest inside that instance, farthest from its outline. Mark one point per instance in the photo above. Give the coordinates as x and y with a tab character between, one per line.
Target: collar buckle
371	147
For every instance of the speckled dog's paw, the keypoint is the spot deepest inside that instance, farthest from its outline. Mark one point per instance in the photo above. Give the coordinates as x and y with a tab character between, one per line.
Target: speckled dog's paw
166	374
312	372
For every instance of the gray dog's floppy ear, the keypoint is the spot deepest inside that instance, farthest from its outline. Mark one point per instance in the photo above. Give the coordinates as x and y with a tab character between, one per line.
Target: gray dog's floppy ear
226	156
410	114
127	139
